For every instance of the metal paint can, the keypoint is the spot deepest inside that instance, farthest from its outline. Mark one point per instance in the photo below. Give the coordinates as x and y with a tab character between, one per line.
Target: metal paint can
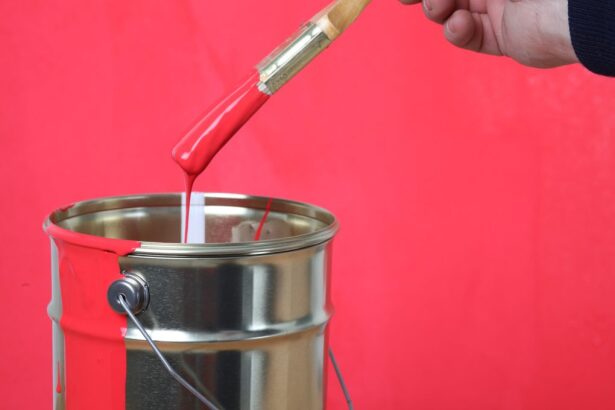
244	321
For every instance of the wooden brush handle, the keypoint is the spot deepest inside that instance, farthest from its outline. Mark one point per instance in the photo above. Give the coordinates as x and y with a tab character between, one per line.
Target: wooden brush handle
336	17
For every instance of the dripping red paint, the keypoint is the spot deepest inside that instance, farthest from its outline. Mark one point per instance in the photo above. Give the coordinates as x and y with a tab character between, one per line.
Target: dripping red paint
259	231
59	380
189	182
93	332
197	148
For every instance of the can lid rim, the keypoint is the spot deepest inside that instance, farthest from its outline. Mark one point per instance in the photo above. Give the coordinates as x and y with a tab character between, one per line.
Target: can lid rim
262	247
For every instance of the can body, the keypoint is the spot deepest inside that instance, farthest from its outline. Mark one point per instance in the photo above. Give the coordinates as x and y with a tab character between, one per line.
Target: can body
246	328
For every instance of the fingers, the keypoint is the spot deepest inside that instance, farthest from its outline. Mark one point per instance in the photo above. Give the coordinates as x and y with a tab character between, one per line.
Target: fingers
436	10
472	31
439	10
463	31
466	24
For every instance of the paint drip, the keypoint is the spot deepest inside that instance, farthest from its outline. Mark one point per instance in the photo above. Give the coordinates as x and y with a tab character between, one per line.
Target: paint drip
93	332
189	183
59	380
199	146
259	231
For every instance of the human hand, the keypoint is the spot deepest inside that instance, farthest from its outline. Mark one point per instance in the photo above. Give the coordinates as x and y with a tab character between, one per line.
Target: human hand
533	32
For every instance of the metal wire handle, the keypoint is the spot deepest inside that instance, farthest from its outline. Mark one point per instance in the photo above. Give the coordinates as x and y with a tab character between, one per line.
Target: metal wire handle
121	299
340	379
172	372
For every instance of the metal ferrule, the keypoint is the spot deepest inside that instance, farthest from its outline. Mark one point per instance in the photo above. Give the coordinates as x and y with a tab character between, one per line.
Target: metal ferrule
290	58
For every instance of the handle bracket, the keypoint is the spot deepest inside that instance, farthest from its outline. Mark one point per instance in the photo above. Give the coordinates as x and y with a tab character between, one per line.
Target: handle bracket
135	291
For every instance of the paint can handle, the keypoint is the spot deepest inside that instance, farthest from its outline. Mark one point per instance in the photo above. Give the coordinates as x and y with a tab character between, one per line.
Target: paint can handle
340	379
130	295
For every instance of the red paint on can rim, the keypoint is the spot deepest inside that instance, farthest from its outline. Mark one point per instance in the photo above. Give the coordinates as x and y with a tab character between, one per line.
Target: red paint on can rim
94	348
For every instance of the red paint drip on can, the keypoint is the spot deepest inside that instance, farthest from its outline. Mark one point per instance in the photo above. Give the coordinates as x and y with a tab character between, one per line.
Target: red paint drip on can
94	347
59	380
259	231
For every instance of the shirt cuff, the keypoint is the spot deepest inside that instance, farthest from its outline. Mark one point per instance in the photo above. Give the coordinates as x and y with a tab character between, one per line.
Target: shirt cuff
592	30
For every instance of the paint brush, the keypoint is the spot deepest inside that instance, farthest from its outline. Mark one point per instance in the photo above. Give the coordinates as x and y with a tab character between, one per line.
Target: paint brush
214	129
316	35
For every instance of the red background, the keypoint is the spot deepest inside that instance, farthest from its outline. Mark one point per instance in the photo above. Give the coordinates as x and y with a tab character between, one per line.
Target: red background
475	268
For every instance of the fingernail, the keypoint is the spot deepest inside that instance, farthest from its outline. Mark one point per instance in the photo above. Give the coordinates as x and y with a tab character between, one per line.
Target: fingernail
427	5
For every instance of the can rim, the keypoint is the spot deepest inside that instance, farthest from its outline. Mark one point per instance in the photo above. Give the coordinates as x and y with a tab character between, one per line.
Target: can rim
148	248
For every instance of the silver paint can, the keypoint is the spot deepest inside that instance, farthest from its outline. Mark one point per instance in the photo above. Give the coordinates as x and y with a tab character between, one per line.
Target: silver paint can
243	321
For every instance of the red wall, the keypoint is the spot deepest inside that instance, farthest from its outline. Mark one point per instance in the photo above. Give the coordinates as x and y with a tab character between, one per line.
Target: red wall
475	268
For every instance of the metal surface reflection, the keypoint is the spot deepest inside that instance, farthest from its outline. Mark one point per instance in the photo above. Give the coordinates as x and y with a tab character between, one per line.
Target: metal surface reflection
244	322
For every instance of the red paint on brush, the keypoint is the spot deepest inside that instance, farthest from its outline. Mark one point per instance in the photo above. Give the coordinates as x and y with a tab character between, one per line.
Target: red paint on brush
59	381
198	147
94	349
257	236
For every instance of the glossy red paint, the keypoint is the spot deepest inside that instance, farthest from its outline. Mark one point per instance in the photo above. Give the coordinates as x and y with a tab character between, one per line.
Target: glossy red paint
58	379
199	146
210	133
94	348
257	235
118	247
189	184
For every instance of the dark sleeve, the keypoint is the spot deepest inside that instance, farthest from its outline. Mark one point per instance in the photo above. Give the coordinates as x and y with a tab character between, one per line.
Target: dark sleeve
592	29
